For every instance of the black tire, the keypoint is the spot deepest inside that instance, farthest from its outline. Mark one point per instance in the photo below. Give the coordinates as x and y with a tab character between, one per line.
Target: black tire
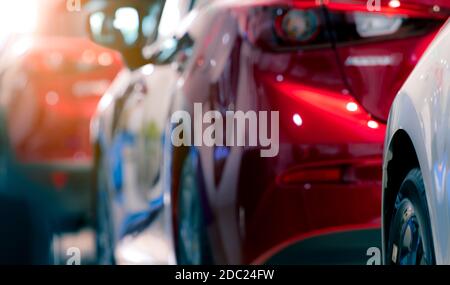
191	234
26	231
410	239
104	239
25	239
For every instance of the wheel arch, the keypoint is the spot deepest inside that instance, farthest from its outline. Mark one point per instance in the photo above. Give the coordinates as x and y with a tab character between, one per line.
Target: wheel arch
401	157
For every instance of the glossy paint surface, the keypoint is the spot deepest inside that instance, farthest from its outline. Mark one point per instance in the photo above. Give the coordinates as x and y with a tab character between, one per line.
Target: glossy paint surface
327	175
421	109
328	171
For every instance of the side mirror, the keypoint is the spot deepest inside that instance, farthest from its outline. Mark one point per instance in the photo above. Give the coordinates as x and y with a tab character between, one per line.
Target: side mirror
126	26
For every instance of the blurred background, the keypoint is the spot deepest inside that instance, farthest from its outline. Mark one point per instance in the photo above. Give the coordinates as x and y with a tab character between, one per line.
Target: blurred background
86	87
52	77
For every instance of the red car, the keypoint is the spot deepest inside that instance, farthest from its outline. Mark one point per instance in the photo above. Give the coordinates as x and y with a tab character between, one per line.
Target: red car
331	69
51	82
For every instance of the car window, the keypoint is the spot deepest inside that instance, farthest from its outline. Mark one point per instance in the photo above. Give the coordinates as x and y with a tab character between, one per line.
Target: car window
56	20
173	13
151	20
171	47
165	49
127	24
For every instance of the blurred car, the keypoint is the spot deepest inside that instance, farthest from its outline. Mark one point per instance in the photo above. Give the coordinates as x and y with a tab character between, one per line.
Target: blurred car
331	69
51	82
415	169
127	133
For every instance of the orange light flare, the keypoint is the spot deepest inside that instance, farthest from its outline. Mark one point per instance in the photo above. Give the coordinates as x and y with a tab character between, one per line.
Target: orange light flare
18	16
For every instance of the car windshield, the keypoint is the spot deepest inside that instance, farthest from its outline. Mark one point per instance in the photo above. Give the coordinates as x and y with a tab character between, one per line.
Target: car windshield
56	20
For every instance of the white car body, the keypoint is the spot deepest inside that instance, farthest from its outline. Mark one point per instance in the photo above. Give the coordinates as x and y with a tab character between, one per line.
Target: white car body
143	116
421	111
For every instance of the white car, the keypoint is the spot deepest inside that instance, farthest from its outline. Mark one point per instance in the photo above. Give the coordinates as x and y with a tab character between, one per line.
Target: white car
127	133
416	169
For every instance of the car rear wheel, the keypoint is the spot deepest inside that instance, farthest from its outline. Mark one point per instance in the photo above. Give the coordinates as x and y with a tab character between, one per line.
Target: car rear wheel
410	238
191	227
104	238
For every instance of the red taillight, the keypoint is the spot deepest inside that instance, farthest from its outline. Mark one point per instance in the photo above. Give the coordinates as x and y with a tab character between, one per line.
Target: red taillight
297	25
321	175
282	28
59	180
371	52
346	171
410	8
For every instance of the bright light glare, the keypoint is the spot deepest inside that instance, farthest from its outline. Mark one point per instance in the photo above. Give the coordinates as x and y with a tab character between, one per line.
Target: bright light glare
96	21
18	16
372	124
171	17
352	107
127	21
394	3
298	121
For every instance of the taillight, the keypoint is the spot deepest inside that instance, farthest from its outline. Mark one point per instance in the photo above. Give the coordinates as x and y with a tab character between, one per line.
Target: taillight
293	27
298	26
345	171
361	27
284	28
314	175
375	25
342	45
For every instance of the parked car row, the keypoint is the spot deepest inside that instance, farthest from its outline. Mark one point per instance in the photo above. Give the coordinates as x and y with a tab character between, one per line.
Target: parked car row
331	70
229	131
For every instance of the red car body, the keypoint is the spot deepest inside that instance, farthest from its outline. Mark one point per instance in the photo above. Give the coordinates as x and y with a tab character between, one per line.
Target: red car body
49	114
51	83
333	93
